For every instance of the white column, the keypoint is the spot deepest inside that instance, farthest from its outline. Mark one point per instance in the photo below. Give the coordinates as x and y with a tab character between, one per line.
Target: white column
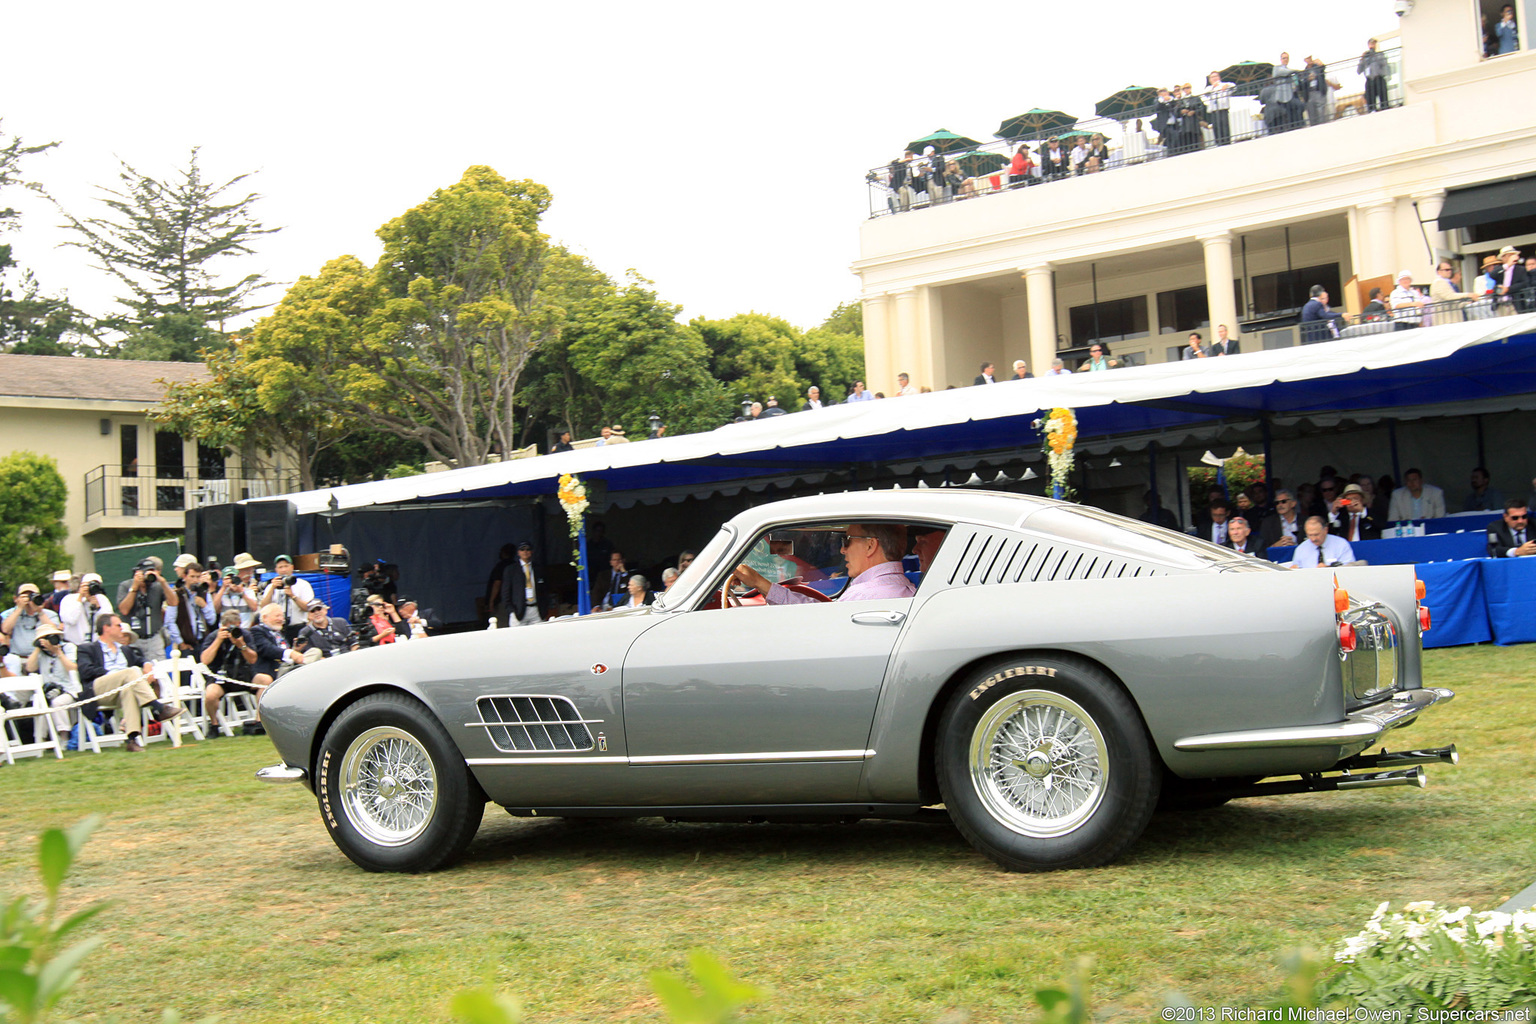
904	351
1218	282
1380	247
879	339
1038	287
1428	205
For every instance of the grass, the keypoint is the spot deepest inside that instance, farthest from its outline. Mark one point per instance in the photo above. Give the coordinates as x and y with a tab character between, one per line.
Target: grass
230	898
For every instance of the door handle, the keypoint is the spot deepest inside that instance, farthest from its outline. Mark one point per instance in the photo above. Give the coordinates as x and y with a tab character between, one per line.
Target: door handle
879	618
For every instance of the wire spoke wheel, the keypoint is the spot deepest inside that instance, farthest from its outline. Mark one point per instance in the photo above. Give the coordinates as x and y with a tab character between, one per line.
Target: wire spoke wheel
1038	761
389	786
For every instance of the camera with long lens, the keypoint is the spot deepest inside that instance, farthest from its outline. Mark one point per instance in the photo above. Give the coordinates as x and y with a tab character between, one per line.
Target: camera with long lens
96	589
148	569
201	589
289	581
43	645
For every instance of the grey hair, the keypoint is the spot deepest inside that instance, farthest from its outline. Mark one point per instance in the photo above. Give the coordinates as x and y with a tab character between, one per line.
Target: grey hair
645	584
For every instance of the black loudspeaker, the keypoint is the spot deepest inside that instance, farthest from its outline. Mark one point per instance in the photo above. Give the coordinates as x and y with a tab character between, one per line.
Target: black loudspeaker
271	529
192	540
223	531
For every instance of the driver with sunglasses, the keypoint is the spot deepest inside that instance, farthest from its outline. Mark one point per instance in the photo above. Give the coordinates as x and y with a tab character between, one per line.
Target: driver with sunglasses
873	553
1510	537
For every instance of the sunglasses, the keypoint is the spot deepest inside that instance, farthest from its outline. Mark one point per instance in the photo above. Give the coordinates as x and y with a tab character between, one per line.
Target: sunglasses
1516	518
848	537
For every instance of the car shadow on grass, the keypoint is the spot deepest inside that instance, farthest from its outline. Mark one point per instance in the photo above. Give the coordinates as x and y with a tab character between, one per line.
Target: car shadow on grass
1311	826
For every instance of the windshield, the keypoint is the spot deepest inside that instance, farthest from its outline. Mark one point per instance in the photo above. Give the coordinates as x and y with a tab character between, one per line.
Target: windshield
700	567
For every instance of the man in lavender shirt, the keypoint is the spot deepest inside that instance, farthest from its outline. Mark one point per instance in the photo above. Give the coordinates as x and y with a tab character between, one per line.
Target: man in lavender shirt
873	553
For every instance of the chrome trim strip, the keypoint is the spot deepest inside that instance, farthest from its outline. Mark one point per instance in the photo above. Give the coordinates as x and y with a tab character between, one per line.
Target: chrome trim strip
545	760
755	758
663	759
1360	727
282	773
572	721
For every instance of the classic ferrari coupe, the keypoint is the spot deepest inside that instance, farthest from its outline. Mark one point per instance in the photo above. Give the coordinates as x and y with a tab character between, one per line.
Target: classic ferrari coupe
1044	674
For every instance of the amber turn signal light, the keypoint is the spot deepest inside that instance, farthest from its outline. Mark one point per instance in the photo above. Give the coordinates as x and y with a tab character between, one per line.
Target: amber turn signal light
1340	600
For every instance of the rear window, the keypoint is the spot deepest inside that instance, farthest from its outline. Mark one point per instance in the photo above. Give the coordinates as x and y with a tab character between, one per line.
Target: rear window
1129	537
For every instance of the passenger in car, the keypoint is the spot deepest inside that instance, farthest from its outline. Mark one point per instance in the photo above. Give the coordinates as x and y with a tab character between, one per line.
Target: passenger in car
873	554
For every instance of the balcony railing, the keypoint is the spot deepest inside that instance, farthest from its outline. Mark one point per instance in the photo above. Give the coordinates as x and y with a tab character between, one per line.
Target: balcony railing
167	491
1133	138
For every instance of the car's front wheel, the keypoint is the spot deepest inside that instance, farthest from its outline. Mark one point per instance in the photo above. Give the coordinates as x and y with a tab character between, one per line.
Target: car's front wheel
394	792
1044	763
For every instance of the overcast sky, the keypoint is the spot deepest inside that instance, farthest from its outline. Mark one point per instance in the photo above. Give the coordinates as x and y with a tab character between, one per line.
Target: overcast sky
717	148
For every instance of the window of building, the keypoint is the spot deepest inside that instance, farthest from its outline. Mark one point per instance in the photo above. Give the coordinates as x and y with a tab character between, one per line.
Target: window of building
1114	320
170	458
129	434
1289	289
210	462
1496	37
1185	309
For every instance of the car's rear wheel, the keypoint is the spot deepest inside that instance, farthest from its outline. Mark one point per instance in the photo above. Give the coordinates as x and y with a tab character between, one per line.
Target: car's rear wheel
1044	763
394	792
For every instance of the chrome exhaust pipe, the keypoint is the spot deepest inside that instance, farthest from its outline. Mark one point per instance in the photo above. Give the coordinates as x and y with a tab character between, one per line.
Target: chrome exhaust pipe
1407	777
1402	758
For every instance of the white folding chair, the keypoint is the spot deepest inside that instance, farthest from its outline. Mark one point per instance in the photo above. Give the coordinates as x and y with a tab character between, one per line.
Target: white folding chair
189	695
29	690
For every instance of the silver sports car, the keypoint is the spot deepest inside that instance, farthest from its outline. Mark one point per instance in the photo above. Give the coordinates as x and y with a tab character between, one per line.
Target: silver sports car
1044	674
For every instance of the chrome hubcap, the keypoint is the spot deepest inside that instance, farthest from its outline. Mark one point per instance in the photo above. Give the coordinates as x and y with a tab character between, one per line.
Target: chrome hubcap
1039	764
388	786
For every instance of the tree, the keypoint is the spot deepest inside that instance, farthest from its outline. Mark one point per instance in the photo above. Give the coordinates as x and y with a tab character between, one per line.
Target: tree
267	393
753	355
831	360
166	243
459	316
30	322
32	495
847	318
620	356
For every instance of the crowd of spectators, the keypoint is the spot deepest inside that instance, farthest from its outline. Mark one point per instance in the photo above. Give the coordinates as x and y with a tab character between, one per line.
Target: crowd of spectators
1321	519
1183	119
247	627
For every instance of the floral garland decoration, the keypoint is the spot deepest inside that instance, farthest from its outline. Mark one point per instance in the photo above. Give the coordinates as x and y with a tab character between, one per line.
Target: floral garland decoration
573	498
1060	429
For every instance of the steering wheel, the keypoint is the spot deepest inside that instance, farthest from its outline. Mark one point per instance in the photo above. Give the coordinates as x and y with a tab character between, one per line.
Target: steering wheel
727	599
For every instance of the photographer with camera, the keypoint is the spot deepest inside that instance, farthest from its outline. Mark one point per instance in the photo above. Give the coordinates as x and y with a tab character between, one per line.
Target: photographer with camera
291	594
380	579
228	652
325	635
194	617
61	590
19	626
78	610
142	602
53	658
240	591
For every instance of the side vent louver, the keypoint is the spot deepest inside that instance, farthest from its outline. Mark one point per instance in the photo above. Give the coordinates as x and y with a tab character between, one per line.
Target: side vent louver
530	723
1005	558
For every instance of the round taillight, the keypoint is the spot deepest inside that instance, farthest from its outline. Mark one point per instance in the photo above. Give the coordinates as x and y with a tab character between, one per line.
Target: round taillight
1423	619
1346	637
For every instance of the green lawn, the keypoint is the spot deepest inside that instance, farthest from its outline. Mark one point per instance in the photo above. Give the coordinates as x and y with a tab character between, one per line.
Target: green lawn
230	898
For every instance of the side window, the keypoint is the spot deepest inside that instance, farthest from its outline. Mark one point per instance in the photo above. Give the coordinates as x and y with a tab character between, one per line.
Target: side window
836	561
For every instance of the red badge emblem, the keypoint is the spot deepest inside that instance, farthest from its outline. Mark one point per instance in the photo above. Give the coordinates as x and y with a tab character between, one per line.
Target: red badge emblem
599	669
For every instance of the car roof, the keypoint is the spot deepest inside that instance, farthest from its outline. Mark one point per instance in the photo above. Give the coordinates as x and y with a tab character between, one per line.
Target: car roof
941	504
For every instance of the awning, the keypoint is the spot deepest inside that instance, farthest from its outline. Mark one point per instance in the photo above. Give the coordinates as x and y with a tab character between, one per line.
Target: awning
1484	204
1489	362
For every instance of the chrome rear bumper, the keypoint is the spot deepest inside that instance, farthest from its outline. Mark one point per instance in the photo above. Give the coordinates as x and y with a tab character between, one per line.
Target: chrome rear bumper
1357	731
282	773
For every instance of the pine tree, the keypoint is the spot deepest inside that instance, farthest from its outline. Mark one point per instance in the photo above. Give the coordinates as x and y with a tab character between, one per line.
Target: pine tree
166	243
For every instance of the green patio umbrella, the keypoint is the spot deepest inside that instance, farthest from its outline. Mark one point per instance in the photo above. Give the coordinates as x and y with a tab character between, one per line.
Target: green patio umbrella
1249	76
943	141
1034	122
1128	102
977	162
